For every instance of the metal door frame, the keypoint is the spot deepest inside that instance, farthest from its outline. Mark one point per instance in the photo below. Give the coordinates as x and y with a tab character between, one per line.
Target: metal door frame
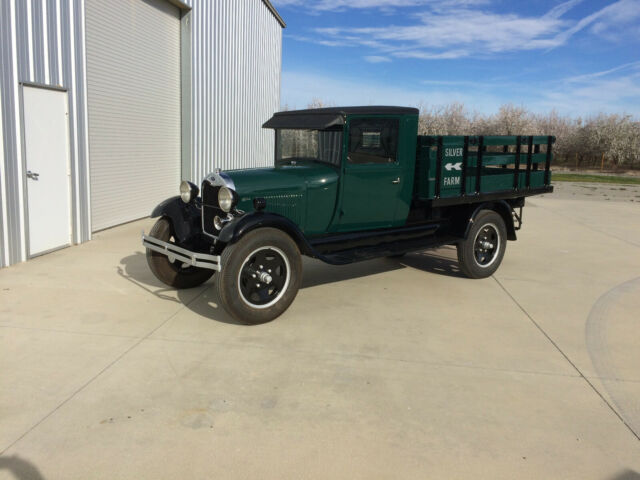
25	199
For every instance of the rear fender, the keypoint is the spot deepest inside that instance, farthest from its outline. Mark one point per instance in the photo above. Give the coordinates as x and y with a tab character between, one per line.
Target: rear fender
503	209
239	227
184	217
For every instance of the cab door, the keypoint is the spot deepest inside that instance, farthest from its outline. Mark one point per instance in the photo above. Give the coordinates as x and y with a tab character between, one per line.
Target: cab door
373	176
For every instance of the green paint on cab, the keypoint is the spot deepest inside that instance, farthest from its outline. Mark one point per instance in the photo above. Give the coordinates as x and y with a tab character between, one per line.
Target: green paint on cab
304	193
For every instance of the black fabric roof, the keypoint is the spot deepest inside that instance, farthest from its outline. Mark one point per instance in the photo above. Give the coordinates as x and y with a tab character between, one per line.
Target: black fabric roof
322	118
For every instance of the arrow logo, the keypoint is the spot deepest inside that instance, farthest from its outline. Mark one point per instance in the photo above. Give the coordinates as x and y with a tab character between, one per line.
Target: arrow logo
453	166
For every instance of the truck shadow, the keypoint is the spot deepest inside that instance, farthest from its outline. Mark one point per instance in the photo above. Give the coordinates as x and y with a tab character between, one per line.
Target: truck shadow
441	261
626	475
316	272
134	269
20	468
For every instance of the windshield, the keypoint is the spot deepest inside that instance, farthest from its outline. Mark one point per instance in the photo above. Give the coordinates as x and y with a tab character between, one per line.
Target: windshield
319	145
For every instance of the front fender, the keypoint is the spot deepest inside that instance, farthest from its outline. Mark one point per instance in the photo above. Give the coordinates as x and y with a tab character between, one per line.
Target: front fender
237	228
185	217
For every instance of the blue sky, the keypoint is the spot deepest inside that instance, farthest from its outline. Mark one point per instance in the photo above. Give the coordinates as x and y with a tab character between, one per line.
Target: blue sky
578	57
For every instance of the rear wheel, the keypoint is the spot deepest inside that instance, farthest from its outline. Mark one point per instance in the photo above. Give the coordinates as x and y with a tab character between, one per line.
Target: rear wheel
481	253
260	276
175	274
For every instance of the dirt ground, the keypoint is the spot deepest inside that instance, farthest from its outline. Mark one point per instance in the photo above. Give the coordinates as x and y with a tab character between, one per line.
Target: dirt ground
596	191
596	171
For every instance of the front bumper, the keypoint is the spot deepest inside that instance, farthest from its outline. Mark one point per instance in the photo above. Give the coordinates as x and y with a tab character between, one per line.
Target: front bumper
195	259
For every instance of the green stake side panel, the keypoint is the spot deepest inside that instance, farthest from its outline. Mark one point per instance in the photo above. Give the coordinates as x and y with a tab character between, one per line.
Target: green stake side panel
506	164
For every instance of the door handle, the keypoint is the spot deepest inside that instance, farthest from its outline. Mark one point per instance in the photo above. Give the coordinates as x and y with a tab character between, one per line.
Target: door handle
32	175
396	181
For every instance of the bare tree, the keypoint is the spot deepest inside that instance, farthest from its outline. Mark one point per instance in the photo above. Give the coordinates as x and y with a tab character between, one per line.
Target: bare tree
318	103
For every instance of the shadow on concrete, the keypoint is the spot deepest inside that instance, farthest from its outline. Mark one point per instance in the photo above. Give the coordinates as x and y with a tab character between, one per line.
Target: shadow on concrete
443	261
206	305
20	468
134	269
626	475
316	272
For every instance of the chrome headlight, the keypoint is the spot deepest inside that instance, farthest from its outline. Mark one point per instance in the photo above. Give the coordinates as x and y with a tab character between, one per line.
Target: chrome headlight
188	191
226	199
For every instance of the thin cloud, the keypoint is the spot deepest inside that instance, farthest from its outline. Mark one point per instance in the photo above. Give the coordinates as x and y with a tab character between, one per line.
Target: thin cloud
613	90
337	5
612	95
299	88
376	59
560	10
448	31
596	93
590	76
425	55
618	20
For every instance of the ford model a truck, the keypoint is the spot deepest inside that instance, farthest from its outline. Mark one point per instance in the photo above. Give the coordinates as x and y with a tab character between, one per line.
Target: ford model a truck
347	184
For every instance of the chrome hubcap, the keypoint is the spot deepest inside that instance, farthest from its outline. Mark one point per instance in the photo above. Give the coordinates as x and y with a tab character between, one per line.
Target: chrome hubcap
264	277
486	245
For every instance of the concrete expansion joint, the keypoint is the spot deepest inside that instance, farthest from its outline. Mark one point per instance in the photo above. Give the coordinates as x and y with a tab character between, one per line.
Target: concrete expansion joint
566	357
102	371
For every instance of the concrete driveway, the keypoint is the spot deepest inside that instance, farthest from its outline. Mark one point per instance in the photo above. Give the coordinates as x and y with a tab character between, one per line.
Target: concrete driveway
384	369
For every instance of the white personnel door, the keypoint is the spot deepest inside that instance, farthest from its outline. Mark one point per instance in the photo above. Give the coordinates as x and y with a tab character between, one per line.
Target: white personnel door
46	144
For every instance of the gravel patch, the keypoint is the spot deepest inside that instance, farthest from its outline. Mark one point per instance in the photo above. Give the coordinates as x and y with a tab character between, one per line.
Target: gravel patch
596	191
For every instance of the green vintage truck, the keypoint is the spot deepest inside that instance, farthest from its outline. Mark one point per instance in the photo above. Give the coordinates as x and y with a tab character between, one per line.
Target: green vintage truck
347	184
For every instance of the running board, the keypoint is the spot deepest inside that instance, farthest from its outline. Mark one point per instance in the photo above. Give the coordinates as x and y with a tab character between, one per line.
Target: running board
173	252
386	249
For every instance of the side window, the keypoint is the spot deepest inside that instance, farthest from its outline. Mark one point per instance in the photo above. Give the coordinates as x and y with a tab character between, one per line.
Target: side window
373	140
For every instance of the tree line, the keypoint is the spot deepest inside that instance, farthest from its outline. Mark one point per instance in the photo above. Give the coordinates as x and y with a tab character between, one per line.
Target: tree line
603	140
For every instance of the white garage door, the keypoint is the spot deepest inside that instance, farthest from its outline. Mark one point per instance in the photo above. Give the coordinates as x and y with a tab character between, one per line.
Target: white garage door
133	83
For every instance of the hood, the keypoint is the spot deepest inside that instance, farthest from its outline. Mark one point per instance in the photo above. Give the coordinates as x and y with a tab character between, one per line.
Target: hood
281	181
288	189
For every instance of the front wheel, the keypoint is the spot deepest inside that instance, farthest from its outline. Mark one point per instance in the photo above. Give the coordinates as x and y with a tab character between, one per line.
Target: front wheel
480	254
175	274
260	276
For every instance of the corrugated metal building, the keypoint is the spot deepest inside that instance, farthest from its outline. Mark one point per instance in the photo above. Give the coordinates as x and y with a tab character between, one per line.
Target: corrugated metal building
107	105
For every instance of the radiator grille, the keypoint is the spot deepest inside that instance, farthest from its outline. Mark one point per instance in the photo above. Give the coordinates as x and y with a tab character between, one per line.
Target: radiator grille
210	207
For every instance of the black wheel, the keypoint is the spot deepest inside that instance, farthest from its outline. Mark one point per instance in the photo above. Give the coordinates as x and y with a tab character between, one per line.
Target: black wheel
260	276
479	256
175	274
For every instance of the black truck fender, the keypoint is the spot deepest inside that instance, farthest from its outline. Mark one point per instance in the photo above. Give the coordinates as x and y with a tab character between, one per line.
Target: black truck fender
237	228
501	207
184	217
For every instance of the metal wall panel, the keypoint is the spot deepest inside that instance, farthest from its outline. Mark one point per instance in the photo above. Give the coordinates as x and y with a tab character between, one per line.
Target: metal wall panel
42	42
236	61
4	260
13	222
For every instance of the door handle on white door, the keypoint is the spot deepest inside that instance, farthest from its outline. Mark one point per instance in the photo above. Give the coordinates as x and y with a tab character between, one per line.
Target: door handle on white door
396	181
32	175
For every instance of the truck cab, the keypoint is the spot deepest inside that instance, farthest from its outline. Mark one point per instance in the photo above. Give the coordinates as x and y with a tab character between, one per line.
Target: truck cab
346	184
371	149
